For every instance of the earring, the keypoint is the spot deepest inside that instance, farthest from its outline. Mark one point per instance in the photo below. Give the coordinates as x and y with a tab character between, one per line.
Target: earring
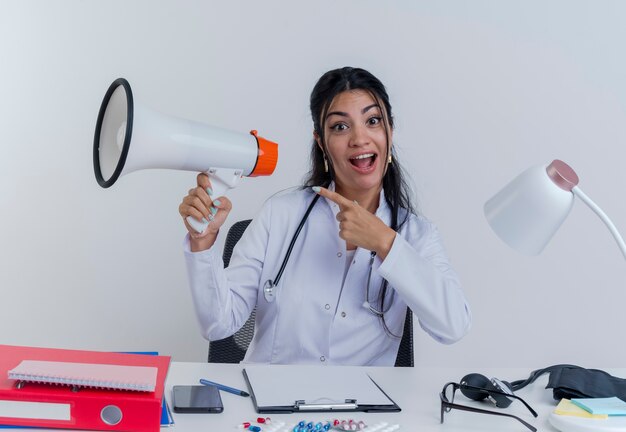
325	164
389	159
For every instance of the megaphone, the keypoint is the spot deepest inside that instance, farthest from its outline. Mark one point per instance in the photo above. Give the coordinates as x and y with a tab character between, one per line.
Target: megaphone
162	141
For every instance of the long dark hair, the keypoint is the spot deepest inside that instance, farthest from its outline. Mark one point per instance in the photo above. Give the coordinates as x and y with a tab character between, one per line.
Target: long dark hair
397	190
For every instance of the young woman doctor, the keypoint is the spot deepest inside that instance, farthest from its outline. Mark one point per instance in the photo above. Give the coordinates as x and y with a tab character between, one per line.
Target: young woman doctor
337	291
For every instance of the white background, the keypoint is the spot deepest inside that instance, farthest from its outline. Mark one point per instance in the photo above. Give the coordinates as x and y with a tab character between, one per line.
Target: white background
481	90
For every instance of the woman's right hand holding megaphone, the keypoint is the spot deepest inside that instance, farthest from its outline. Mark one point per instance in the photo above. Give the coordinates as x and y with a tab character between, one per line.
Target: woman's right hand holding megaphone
200	203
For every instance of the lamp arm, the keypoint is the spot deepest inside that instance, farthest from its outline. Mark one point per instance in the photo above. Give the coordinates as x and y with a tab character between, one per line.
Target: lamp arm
597	210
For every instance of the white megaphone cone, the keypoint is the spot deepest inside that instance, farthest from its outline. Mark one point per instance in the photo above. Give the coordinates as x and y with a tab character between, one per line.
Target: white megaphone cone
161	141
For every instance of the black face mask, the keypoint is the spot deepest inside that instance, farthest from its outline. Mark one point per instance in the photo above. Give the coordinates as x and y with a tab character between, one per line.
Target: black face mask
570	381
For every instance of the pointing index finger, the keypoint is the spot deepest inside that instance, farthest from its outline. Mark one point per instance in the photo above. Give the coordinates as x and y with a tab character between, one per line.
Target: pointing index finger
333	196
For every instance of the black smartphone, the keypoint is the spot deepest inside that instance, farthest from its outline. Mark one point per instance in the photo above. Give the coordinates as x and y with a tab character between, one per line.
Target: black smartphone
196	399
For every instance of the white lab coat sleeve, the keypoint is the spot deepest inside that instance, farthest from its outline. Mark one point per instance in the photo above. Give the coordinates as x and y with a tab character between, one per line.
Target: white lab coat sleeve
418	268
224	298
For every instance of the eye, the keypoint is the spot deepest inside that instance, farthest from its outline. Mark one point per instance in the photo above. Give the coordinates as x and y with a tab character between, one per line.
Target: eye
373	121
339	127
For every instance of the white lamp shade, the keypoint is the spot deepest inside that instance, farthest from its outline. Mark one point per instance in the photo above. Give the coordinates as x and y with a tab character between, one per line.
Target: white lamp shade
529	210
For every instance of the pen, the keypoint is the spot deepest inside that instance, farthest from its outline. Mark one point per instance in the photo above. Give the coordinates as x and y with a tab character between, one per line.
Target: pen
225	388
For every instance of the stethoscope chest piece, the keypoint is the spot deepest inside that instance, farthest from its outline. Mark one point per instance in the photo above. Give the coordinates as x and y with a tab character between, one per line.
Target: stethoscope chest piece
268	291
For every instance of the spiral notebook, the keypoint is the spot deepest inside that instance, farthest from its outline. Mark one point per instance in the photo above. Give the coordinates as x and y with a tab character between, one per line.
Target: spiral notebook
106	376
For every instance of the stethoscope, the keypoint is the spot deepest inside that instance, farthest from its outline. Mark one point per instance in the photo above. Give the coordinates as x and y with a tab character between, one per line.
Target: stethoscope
366	303
269	288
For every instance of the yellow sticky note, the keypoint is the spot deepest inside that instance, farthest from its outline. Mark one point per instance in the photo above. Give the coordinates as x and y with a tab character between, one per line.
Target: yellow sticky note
567	408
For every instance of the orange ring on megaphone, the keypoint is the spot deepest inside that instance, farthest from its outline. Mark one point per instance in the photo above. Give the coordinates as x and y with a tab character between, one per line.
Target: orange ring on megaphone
267	157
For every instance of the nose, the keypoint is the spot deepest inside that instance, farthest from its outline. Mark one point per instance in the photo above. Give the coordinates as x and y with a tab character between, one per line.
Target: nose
360	136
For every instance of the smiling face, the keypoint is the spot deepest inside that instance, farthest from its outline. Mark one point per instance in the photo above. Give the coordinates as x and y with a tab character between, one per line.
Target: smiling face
356	143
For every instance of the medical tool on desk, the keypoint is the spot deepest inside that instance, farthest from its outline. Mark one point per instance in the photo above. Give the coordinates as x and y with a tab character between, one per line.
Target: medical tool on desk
567	381
319	426
448	403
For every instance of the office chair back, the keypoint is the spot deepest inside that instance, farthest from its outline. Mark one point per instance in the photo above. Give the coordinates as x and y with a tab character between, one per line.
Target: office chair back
405	350
233	348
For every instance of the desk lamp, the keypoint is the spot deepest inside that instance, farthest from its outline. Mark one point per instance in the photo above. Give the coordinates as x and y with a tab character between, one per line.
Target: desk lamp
529	210
525	214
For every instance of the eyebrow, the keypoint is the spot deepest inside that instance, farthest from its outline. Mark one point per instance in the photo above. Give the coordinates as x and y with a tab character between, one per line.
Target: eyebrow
344	114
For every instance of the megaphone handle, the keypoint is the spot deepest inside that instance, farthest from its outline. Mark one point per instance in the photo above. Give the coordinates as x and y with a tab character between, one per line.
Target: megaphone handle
222	180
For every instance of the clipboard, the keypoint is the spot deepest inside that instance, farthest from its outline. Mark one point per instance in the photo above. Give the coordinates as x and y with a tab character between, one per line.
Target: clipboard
277	389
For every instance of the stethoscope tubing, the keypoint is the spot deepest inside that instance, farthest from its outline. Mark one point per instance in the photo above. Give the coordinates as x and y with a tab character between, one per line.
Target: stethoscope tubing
293	240
268	288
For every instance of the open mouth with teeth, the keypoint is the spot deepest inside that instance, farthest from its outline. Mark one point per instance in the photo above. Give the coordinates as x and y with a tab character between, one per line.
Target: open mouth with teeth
364	162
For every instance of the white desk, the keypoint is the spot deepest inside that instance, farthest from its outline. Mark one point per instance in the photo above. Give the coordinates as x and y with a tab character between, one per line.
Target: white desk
416	390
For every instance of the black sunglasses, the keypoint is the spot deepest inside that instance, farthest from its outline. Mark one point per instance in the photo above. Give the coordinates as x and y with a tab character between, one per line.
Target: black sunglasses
447	402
